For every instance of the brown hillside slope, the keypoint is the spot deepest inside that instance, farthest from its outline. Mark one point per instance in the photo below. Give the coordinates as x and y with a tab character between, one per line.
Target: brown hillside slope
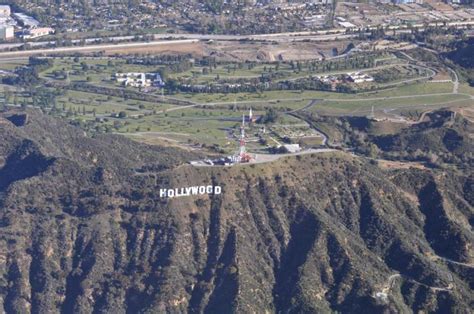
83	229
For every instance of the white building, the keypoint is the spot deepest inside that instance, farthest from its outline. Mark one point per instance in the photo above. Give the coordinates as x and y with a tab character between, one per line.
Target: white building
347	24
292	148
5	10
6	32
138	79
358	77
38	32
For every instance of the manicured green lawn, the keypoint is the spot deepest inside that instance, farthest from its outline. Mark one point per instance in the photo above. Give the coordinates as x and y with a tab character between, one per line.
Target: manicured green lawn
415	89
106	105
8	65
210	125
354	106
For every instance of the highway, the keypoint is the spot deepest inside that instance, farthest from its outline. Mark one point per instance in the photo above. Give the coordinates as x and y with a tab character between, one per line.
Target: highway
320	35
91	48
278	37
161	39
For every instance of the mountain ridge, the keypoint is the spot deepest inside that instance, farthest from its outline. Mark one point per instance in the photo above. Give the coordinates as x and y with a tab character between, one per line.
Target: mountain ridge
313	233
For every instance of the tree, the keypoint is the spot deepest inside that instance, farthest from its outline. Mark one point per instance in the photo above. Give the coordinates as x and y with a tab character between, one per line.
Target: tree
270	116
373	150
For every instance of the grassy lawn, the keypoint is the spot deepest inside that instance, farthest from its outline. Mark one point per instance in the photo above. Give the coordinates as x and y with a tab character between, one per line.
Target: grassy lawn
466	89
355	106
106	105
8	65
204	131
211	125
415	89
255	97
227	71
99	70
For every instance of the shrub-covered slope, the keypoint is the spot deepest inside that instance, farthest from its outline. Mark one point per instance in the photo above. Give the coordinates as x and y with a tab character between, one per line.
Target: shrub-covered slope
83	229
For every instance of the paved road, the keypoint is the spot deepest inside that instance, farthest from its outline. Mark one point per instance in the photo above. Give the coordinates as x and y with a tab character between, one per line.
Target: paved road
266	158
455	82
393	97
391	281
310	104
166	39
470	265
11	54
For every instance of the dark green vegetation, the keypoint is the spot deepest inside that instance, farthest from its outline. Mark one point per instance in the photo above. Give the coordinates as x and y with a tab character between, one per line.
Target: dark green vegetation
82	229
463	57
442	137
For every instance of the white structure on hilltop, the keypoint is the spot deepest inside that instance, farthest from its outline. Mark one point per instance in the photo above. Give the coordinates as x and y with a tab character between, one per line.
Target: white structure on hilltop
292	148
5	10
6	32
251	118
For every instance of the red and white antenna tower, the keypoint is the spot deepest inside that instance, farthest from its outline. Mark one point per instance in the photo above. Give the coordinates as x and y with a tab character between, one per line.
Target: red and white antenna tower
243	156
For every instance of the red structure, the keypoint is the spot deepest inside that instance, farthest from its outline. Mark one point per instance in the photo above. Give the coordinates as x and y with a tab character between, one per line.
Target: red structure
243	156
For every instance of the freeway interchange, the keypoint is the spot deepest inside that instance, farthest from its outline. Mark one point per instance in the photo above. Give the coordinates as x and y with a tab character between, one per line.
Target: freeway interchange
123	42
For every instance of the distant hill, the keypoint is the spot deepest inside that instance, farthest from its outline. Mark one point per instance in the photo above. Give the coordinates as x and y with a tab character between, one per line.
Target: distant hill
83	229
463	54
444	135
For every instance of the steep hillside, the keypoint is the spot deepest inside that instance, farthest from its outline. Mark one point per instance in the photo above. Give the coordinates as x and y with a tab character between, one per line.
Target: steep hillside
83	229
442	137
463	54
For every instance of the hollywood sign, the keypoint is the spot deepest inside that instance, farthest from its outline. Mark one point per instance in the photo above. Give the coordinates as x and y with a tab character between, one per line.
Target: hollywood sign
192	190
